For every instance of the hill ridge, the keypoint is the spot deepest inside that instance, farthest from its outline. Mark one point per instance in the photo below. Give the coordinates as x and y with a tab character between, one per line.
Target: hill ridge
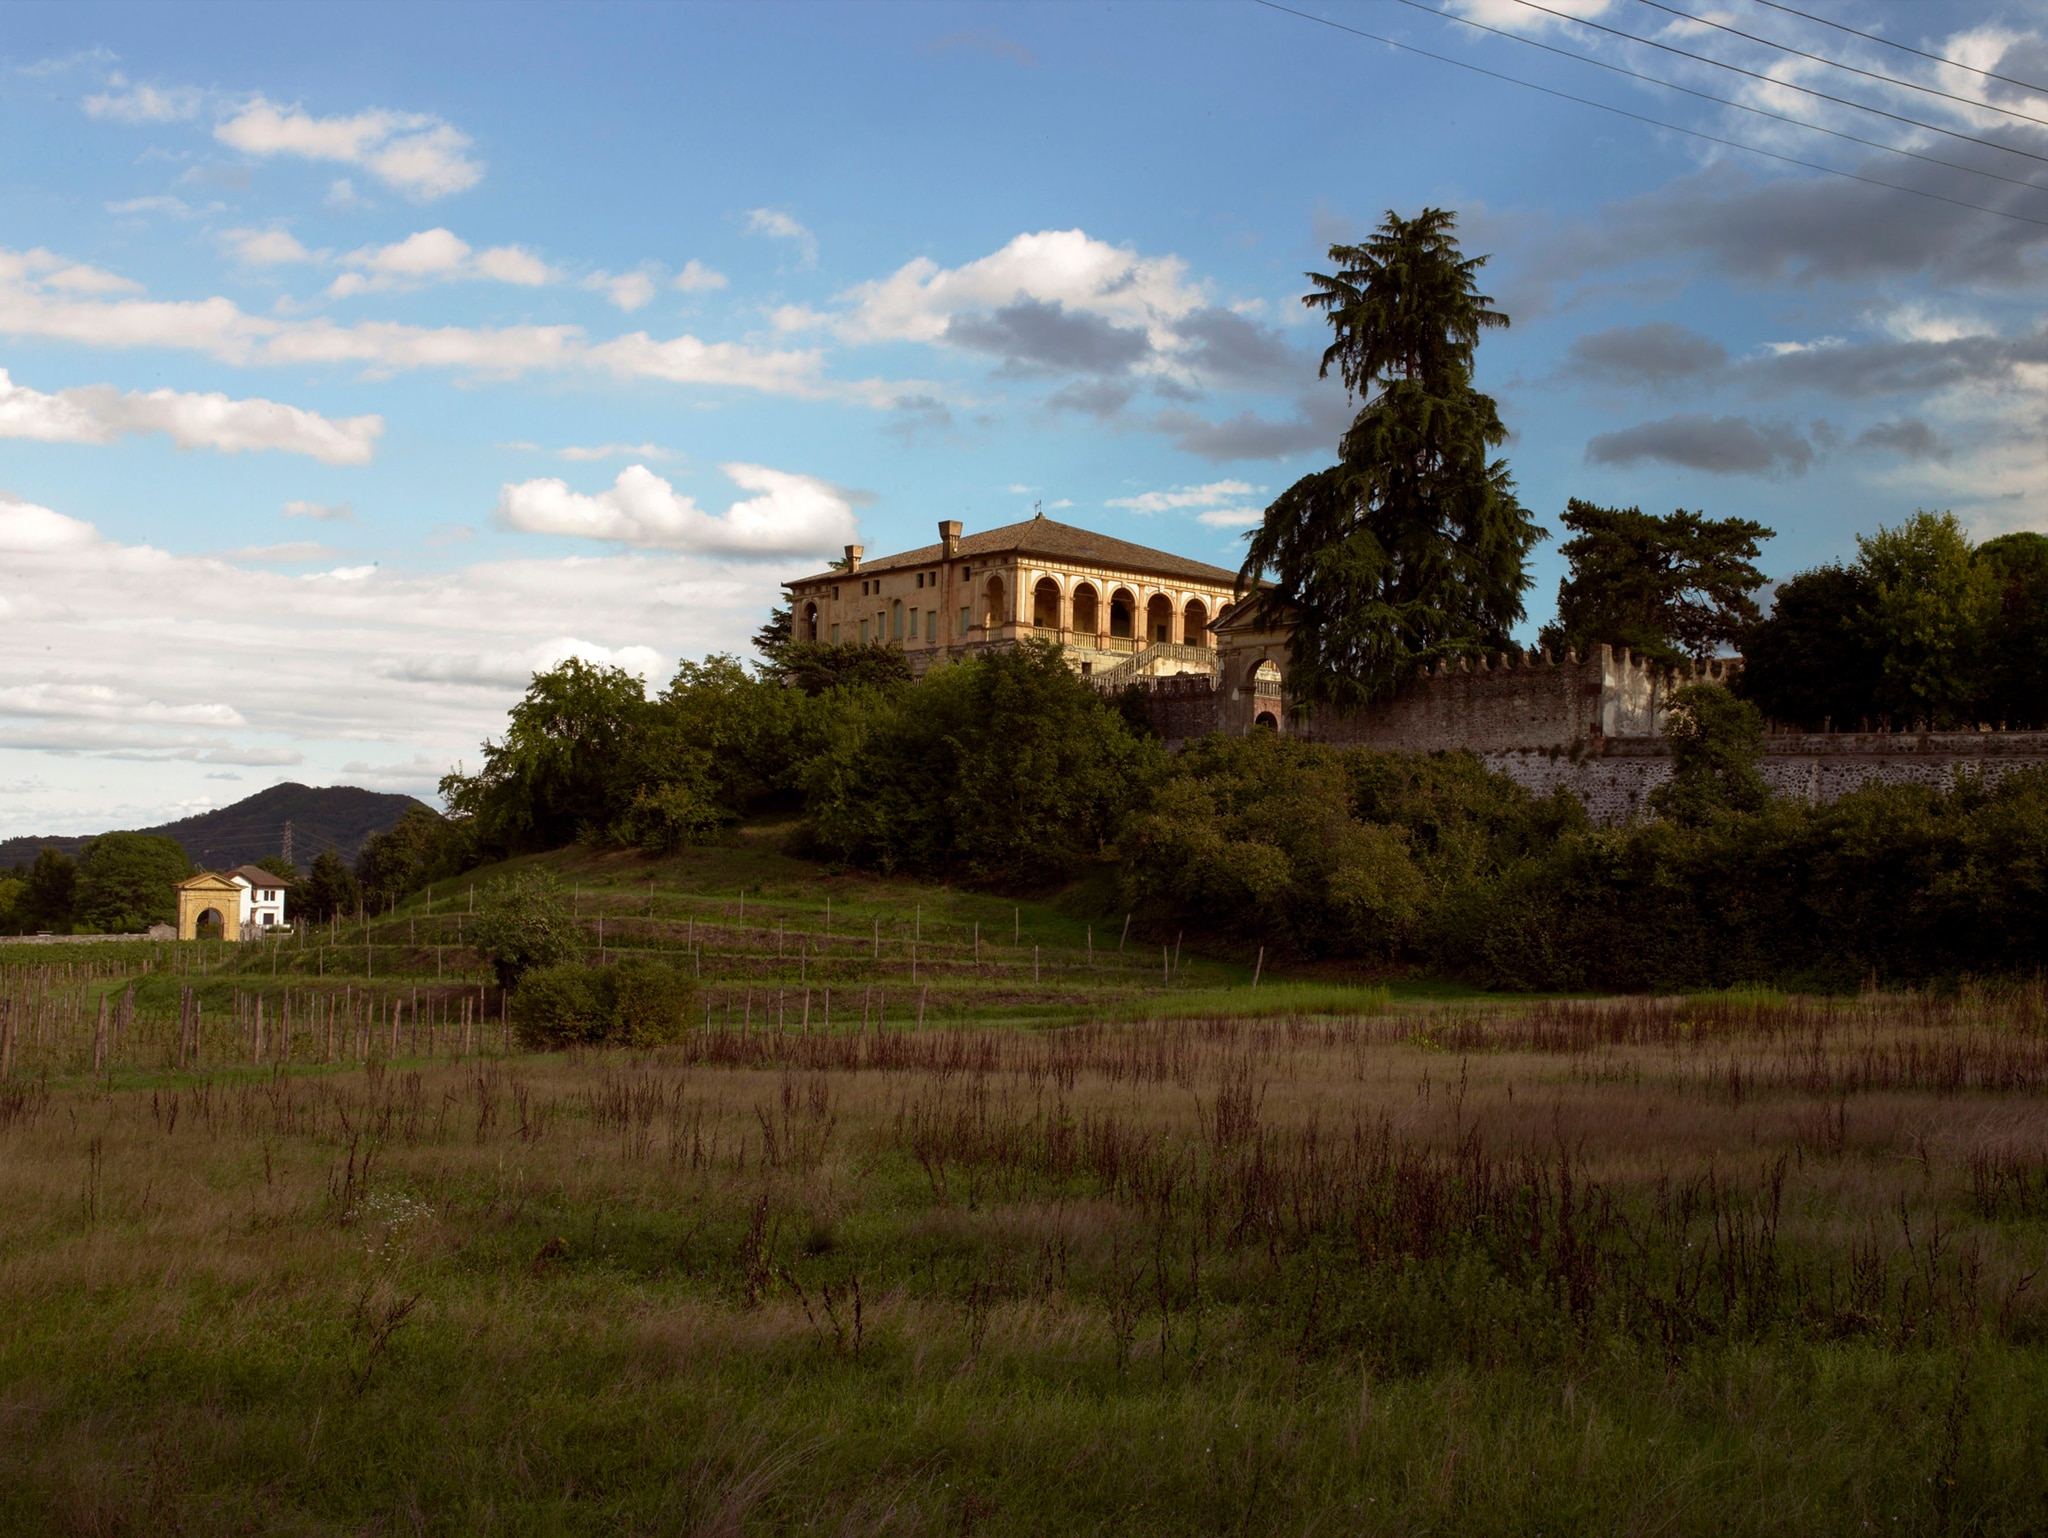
322	816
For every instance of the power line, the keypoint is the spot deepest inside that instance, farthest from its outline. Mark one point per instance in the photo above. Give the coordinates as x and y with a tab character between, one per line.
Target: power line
1739	106
1920	53
1804	90
1821	58
1694	133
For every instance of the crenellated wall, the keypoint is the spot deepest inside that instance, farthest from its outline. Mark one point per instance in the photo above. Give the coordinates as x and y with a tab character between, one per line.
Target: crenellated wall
1589	724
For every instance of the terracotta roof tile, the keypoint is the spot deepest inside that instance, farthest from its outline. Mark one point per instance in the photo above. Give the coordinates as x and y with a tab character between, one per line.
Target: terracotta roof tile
1043	536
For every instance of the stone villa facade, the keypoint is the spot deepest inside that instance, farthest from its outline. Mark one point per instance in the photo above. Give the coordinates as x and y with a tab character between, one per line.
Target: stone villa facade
1118	608
1211	657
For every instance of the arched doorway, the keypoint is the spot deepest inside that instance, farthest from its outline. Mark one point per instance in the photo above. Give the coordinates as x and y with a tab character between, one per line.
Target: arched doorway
1045	604
992	603
1265	719
1195	623
1159	618
1122	609
209	925
1087	612
810	630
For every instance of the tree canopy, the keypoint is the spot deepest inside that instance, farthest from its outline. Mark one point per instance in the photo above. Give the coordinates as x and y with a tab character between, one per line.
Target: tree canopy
1412	547
128	881
1668	588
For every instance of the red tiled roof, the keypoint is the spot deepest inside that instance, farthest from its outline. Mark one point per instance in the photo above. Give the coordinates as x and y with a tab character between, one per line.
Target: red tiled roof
1042	536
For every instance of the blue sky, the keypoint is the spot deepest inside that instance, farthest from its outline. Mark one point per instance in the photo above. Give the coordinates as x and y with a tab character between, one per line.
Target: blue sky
360	359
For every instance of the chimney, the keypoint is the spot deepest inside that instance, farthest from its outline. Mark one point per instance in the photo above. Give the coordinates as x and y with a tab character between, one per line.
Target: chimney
949	537
853	555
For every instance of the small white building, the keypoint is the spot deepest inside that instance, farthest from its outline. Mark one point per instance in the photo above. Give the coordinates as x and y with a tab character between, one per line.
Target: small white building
262	900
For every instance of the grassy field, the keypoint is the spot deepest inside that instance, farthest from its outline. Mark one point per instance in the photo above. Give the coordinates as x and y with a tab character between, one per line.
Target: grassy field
1116	1246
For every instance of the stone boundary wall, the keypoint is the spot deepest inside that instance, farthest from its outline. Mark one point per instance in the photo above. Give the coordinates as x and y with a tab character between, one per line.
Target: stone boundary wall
1615	782
1502	713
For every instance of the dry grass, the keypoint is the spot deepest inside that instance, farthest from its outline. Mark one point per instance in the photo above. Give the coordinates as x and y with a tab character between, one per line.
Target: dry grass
1736	1263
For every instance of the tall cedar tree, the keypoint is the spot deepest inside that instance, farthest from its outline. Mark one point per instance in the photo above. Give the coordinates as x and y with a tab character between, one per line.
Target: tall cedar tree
1410	549
1666	588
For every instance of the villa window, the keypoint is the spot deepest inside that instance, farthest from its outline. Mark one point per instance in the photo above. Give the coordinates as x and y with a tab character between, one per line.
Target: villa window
835	635
931	624
863	632
896	614
920	579
964	626
913	624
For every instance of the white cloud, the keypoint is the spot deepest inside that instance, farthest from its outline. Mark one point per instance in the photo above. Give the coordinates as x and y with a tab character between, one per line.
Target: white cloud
177	208
627	290
265	248
696	277
582	455
26	529
39	297
512	669
295	552
100	414
161	667
777	225
1181	498
436	255
322	512
125	103
793	515
1231	517
513	264
416	153
1068	268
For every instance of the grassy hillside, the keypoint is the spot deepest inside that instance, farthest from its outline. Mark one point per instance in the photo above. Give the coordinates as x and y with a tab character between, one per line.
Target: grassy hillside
1109	1245
338	815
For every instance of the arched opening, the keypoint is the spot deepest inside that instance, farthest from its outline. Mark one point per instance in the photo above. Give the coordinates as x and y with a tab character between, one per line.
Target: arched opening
1122	609
1159	618
810	630
1045	604
209	925
1195	623
992	603
1087	611
1265	719
1223	613
1266	678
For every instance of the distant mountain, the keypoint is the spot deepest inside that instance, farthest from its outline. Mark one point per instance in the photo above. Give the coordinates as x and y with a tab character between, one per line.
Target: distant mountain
340	816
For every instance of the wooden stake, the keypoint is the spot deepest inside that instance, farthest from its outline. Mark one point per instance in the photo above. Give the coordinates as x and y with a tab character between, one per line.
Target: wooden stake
1260	967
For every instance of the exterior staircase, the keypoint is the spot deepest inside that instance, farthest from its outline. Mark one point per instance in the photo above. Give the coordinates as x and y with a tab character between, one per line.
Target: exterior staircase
1143	664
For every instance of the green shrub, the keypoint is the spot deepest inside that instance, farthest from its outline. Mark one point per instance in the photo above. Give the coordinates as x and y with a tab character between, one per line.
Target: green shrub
561	1006
632	1004
524	923
650	1003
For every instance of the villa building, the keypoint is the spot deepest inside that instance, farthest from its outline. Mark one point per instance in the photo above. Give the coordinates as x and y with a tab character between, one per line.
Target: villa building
1117	608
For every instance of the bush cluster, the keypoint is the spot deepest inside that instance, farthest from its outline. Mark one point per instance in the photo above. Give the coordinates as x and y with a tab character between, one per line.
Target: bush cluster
628	1004
1001	766
1433	861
